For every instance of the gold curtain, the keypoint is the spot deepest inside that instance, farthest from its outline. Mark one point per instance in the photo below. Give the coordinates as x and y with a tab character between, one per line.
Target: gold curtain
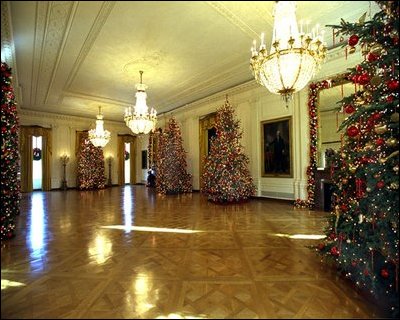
27	132
122	139
206	123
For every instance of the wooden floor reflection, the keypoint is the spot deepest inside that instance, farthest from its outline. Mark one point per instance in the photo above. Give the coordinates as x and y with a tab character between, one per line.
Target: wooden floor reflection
129	253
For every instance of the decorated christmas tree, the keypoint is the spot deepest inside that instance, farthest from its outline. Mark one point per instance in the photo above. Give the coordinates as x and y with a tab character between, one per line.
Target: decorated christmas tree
226	176
171	175
90	167
363	231
10	183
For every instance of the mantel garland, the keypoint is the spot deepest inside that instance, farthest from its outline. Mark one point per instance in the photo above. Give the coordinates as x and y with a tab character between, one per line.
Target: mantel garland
313	91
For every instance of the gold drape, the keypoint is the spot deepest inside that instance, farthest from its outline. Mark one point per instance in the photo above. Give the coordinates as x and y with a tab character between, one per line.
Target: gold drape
205	124
27	132
122	139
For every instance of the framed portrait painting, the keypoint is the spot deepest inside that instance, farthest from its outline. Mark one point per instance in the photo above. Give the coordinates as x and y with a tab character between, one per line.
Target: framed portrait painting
276	155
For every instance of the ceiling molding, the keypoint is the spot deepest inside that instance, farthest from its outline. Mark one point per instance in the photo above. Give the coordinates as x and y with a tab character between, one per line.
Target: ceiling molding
231	17
72	119
62	47
100	99
215	97
98	24
205	85
56	23
8	48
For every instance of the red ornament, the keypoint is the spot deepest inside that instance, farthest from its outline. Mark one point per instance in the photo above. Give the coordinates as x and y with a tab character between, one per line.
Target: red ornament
349	108
364	78
353	40
354	263
380	141
359	68
321	246
376	116
384	273
392	84
366	272
389	99
371	57
334	251
365	159
344	208
332	236
380	184
353	131
395	41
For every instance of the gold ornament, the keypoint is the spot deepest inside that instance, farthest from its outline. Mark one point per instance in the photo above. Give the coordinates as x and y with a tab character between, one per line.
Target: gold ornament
351	50
376	49
359	101
352	168
396	168
380	129
377	175
376	80
368	189
394	185
393	154
345	181
368	146
394	117
392	142
367	95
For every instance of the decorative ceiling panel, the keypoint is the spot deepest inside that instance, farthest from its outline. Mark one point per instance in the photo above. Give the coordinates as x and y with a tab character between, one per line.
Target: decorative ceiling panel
73	56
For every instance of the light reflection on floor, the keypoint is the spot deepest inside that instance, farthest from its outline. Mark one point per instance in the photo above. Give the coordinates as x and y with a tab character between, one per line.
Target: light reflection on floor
38	224
128	203
7	283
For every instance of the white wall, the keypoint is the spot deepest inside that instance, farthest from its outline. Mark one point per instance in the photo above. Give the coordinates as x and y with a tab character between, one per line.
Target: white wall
252	103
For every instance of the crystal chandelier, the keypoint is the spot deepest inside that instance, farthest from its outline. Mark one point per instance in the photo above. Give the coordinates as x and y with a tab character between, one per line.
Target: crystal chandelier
140	121
99	137
294	57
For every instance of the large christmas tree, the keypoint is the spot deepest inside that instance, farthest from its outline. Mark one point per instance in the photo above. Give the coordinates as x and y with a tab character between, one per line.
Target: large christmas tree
171	175
226	176
10	183
363	232
90	167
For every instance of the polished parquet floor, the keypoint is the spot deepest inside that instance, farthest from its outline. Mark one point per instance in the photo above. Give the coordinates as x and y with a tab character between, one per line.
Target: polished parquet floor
125	252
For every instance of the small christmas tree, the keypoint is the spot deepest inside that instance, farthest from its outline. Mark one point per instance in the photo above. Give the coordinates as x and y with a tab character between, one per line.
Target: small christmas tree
363	232
226	176
10	183
90	167
171	176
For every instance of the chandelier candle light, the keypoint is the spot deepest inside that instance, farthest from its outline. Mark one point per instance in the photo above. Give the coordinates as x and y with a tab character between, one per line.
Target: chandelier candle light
99	137
140	120
294	57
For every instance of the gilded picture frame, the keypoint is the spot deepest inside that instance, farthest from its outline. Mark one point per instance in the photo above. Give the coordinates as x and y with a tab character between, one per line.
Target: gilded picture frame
276	148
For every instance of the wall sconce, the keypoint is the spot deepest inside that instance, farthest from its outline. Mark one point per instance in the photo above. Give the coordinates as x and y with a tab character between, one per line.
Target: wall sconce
64	160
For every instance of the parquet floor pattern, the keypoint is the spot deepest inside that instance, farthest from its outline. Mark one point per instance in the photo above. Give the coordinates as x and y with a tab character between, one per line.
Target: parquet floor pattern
125	252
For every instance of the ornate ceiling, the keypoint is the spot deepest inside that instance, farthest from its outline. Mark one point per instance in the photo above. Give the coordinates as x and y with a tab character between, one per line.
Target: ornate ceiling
72	56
